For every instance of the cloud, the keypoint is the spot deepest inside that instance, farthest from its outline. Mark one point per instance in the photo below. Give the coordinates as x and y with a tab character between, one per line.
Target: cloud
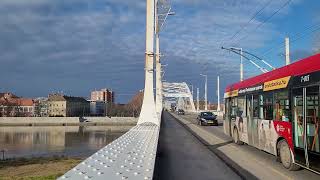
23	2
78	45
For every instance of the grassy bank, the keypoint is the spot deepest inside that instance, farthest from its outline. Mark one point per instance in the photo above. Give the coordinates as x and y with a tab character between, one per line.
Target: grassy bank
36	168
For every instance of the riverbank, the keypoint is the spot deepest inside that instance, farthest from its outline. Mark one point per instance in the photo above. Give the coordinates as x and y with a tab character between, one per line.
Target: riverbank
36	168
68	121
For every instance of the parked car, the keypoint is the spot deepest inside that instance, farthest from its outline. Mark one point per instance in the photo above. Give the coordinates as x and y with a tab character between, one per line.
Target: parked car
207	118
181	112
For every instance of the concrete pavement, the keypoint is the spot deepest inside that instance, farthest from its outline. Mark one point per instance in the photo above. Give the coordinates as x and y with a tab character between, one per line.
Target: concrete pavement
182	156
245	160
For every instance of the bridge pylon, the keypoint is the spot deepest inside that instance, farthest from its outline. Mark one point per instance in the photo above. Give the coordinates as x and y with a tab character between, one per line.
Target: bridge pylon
148	109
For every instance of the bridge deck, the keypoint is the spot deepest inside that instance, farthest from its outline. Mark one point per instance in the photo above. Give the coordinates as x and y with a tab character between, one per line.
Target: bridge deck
129	157
182	156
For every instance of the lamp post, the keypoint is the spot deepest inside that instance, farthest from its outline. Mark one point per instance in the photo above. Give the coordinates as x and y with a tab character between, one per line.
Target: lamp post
197	99
205	92
218	93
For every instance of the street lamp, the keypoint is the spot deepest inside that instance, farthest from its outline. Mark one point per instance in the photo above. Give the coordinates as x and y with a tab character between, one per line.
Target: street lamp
218	93
197	99
205	92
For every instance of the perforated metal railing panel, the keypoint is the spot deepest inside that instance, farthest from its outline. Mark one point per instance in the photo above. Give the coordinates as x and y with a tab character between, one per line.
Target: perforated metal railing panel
131	156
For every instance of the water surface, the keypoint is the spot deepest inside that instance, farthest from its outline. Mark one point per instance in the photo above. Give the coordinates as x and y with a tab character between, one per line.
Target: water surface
75	141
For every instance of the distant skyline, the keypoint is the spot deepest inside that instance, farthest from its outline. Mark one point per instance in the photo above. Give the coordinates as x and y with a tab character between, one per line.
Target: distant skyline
76	46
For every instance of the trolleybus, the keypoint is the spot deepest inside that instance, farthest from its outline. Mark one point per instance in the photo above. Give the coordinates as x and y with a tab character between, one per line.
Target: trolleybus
278	112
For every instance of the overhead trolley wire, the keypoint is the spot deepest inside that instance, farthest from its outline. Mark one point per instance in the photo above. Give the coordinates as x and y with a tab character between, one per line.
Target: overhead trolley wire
253	17
295	37
266	20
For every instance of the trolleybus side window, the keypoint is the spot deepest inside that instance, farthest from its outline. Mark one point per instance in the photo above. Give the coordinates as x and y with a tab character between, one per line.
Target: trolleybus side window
268	106
298	117
312	117
234	107
226	108
241	106
256	106
282	106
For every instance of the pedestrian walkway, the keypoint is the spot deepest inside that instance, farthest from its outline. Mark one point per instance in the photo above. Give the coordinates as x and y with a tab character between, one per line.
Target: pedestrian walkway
183	156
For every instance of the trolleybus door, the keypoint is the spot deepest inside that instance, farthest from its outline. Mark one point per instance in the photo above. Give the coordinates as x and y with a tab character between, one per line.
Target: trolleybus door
255	121
249	117
252	124
306	126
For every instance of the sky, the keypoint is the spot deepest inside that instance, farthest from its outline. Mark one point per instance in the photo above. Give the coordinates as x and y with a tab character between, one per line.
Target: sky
76	46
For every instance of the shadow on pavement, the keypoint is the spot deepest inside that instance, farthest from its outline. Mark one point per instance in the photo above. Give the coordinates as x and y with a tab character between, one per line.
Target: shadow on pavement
219	145
243	173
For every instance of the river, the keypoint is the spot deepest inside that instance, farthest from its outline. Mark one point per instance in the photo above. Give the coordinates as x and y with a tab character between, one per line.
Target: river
44	141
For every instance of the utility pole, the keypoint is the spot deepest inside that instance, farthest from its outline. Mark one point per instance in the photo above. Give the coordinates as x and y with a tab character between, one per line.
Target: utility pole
197	99
191	89
241	65
218	93
206	95
287	53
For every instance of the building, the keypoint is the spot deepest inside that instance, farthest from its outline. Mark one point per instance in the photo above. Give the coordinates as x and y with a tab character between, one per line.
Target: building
14	106
41	107
98	108
100	100
105	95
67	106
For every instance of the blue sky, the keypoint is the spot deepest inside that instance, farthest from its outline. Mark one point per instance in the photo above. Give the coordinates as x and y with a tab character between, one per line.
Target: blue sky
76	46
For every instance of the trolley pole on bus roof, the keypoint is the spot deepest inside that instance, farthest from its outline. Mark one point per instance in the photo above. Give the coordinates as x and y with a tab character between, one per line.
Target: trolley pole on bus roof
241	61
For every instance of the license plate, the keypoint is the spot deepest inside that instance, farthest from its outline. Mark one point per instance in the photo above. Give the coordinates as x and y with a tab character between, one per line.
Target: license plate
210	121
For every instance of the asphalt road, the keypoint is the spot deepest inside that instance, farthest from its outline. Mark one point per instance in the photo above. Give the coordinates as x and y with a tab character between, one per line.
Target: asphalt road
181	156
262	161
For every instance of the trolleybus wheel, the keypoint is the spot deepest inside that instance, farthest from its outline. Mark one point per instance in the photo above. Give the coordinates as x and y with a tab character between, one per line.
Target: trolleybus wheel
285	156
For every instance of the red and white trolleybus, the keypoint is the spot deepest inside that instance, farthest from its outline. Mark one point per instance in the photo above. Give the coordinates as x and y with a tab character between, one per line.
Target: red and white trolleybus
279	112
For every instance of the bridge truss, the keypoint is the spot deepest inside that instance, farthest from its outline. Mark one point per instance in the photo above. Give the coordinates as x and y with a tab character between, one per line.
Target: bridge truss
178	93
